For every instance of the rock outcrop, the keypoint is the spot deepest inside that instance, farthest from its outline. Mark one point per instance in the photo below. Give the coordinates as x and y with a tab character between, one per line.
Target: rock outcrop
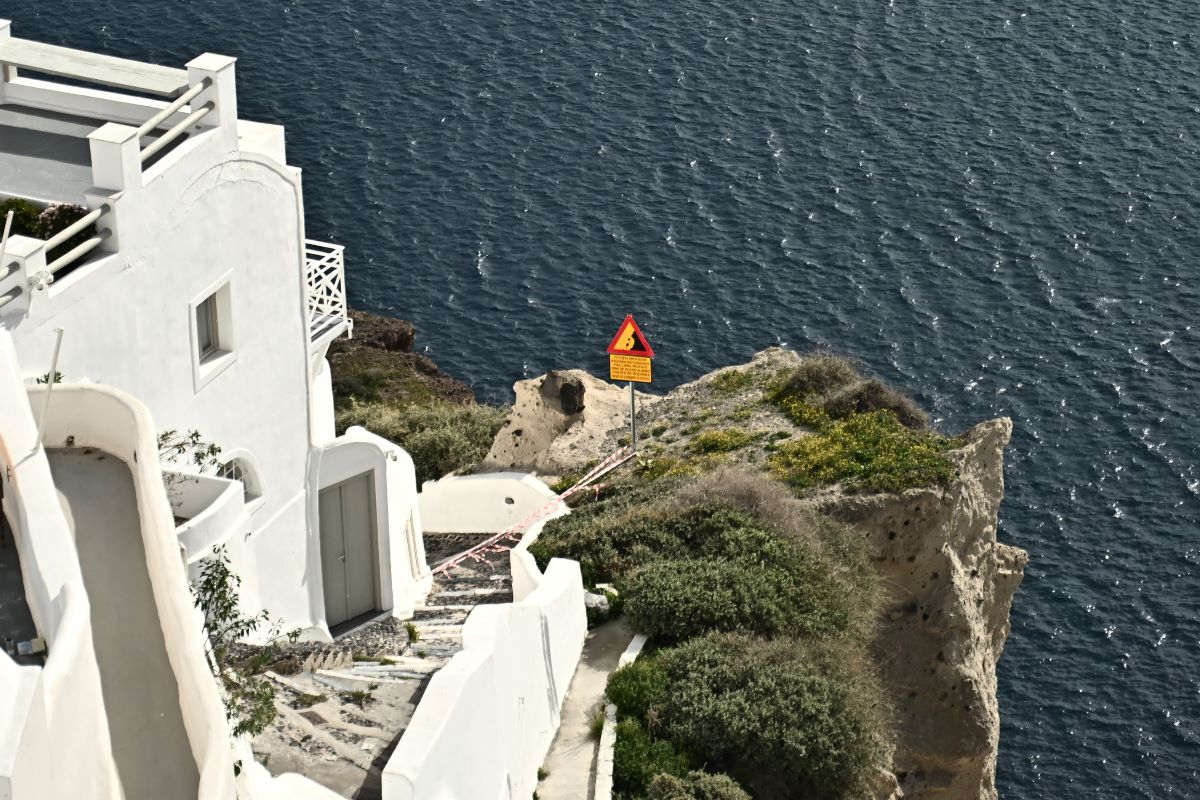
949	582
378	365
950	585
559	422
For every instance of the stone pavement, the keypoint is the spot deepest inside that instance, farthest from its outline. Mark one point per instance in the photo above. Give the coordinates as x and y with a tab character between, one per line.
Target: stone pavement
570	765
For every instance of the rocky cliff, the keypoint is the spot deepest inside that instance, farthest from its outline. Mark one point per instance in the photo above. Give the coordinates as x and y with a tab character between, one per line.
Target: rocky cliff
377	365
950	586
949	582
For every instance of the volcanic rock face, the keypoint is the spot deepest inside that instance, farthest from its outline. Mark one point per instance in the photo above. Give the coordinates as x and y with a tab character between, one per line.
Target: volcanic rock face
950	586
377	365
559	422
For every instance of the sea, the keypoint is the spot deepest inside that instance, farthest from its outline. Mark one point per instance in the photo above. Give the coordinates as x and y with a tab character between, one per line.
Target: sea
991	204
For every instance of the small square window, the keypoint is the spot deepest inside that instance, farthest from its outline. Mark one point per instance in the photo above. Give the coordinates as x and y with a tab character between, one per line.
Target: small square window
213	345
207	332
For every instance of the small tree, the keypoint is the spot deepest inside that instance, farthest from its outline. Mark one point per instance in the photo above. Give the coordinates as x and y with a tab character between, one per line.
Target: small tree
249	697
186	448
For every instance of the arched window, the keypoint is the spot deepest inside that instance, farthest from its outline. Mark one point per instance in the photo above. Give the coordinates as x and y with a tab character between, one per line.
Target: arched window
240	469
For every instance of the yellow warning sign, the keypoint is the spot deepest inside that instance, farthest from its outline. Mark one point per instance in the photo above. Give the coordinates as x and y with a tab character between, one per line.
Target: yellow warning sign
629	368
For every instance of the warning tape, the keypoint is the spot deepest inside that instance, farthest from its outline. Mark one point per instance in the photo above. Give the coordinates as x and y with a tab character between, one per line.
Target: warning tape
492	543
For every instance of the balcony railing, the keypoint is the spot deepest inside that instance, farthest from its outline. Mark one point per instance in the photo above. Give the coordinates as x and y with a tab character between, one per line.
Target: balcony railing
325	277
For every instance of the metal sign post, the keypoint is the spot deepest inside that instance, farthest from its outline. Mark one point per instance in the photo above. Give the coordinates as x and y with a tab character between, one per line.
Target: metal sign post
629	356
632	418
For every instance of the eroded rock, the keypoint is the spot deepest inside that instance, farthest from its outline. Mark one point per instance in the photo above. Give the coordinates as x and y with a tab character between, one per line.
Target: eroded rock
560	422
950	586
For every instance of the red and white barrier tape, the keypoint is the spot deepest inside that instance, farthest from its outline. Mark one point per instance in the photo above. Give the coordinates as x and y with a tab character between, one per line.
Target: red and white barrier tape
491	544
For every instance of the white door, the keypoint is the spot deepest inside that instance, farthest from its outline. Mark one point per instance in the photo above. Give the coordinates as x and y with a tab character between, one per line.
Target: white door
348	553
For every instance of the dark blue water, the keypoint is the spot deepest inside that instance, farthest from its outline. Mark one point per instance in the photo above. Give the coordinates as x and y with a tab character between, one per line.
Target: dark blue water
991	204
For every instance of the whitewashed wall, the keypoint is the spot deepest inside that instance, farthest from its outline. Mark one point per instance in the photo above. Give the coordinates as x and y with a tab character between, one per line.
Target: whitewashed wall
488	717
404	578
206	212
115	422
53	715
481	503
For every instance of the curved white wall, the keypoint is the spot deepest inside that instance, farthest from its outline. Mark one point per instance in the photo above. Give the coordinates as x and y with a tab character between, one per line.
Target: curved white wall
112	421
54	715
486	503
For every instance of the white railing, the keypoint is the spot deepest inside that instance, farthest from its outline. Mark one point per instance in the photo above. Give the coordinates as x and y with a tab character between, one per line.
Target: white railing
325	281
83	248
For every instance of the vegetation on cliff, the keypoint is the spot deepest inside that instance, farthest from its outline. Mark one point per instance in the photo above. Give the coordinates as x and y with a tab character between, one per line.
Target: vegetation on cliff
380	384
762	611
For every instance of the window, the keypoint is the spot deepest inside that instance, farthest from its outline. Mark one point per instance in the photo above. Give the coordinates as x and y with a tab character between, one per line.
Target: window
239	469
212	332
207	335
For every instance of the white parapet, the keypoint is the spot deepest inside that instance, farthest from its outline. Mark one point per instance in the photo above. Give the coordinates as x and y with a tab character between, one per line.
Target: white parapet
486	720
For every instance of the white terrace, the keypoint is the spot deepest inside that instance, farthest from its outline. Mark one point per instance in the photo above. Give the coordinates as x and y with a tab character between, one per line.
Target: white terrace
65	143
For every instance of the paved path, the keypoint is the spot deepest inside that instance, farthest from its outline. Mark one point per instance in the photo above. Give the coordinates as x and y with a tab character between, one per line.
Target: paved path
571	763
141	698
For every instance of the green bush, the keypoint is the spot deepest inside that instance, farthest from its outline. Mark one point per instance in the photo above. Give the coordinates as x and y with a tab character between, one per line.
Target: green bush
679	599
25	217
873	395
816	376
696	786
732	380
722	440
806	716
805	414
440	437
865	453
635	688
638	757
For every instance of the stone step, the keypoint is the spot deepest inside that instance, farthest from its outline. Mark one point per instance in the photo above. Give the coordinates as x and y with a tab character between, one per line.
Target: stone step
395	673
351	682
443	608
480	592
437	622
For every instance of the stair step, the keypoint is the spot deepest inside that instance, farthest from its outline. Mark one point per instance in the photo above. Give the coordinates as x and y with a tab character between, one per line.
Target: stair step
471	592
437	622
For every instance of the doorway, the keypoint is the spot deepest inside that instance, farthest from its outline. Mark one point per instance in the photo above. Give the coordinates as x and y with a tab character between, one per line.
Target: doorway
349	554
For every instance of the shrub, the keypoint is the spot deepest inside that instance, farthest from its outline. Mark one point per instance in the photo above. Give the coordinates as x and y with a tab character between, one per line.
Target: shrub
777	714
440	437
866	453
25	217
249	698
58	217
696	786
596	718
663	466
805	414
723	440
676	600
635	688
872	395
638	757
732	380
816	376
608	539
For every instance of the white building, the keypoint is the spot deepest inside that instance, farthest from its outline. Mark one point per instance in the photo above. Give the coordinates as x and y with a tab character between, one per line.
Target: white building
196	303
199	304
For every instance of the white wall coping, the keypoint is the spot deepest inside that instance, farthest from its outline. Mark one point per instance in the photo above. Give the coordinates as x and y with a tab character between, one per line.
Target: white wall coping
608	735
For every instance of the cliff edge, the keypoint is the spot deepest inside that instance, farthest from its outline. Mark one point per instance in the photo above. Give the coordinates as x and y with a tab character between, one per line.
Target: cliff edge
948	583
949	586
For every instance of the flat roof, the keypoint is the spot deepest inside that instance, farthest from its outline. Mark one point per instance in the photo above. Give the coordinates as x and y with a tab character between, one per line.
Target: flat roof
44	155
65	62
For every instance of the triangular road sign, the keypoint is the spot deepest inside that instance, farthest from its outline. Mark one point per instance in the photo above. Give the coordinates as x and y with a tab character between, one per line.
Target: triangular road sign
630	341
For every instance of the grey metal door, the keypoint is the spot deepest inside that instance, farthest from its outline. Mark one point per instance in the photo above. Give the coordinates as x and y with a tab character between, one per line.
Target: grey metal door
348	553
